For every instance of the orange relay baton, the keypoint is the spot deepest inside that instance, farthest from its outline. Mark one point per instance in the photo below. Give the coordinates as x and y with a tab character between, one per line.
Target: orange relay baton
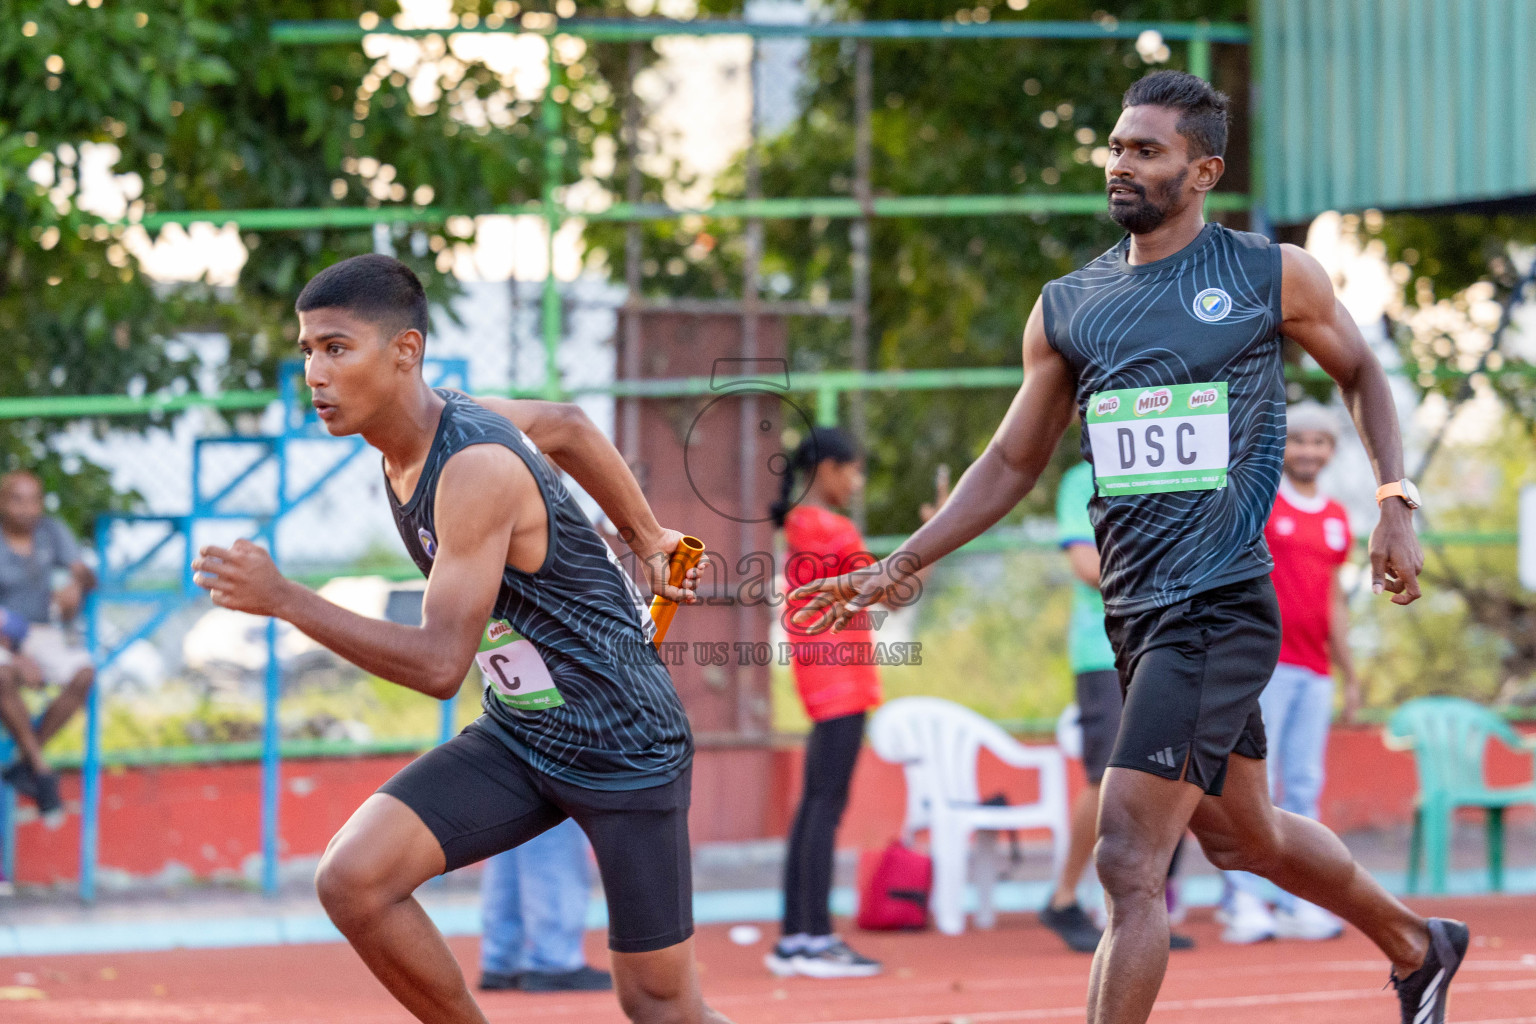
687	554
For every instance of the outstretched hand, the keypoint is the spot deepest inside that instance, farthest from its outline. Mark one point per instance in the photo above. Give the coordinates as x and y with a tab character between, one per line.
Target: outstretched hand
1396	558
655	559
241	577
836	599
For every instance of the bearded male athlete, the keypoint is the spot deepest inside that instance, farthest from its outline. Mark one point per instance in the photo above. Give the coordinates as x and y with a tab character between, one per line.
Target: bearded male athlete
581	720
1169	347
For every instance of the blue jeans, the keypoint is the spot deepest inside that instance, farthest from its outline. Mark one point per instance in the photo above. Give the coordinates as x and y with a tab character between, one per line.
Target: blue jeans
1298	707
534	904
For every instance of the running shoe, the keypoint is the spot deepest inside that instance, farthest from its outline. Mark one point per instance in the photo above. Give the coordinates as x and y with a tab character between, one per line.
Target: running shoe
1178	943
499	981
781	960
49	804
1308	922
835	961
1422	995
1072	926
582	979
1247	920
20	777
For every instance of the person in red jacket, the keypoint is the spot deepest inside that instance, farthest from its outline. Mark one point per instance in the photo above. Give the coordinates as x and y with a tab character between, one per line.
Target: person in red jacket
1309	538
837	688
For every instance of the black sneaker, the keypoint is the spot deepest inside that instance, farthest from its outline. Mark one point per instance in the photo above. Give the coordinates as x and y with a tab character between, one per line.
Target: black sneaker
49	804
835	961
1178	942
1072	926
582	979
20	777
1421	995
498	981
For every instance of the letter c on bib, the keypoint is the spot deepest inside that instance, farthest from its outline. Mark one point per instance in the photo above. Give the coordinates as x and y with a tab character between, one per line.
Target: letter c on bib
1189	458
498	660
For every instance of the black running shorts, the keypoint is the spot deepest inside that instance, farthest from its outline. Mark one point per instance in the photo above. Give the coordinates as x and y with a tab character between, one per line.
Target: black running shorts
1192	674
1098	714
480	799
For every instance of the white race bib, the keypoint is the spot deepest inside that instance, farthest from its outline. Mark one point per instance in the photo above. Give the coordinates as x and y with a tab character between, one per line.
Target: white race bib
1159	439
514	671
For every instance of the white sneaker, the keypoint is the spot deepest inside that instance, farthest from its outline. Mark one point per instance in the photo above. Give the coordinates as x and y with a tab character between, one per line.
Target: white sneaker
1307	921
781	962
835	961
1247	920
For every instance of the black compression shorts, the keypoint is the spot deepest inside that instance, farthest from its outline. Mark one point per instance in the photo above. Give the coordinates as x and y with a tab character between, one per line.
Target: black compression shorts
480	799
1192	674
1098	715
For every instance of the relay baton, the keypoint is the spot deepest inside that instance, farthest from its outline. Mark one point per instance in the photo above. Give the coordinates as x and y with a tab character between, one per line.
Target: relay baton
687	554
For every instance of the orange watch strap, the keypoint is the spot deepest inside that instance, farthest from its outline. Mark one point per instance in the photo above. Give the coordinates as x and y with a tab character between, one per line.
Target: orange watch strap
1391	490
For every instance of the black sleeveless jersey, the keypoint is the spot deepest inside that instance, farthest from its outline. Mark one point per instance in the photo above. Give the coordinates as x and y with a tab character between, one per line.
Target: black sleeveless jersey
621	725
1182	396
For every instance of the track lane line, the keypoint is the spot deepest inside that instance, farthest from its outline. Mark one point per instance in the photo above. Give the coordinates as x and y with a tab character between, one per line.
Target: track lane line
1208	1003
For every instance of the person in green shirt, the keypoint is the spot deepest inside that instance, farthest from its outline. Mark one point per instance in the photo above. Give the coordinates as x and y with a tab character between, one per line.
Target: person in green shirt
1098	703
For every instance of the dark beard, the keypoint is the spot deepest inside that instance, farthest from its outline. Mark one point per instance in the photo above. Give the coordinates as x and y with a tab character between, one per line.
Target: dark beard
1148	212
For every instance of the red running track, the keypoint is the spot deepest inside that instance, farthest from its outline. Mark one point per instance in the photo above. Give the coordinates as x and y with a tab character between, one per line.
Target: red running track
1017	973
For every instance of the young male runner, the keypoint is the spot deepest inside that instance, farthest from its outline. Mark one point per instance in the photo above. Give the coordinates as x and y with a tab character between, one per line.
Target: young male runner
1169	345
581	717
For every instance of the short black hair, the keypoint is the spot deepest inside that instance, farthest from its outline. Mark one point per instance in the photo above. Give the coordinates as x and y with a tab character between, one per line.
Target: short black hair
376	286
1203	110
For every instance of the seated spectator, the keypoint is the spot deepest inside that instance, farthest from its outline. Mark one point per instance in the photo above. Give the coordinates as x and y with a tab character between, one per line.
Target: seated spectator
39	649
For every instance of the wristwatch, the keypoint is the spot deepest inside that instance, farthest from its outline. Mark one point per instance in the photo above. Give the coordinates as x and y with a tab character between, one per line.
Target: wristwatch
1399	489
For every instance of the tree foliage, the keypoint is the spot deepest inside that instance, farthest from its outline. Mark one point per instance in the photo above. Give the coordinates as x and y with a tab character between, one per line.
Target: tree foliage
206	111
951	118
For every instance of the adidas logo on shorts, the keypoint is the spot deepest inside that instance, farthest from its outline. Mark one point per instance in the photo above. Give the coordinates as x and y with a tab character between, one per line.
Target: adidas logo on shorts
1164	757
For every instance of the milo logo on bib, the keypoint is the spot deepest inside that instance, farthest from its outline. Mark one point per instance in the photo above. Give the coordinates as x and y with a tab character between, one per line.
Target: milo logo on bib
1149	402
1159	439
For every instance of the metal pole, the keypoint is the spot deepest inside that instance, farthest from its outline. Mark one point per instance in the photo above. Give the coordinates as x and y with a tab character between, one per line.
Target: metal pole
1258	128
271	765
633	254
858	233
778	208
90	769
554	153
1200	51
271	732
826	405
746	718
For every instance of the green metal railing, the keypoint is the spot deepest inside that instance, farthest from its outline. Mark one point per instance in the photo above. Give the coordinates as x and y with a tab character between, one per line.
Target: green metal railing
825	386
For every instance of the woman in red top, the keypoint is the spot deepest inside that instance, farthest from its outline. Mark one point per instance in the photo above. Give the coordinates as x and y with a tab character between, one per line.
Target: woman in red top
837	687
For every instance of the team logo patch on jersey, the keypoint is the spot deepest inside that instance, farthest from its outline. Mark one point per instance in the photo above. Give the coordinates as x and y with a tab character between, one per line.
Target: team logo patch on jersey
428	544
1212	305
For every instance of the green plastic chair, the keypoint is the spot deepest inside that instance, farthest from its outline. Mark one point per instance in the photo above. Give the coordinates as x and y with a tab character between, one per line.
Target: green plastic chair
1449	739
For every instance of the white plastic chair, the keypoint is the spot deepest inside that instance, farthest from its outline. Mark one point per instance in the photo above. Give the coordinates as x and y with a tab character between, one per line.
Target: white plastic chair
937	743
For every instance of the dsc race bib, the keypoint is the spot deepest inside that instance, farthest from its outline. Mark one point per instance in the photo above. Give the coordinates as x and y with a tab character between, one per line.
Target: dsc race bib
514	671
1159	439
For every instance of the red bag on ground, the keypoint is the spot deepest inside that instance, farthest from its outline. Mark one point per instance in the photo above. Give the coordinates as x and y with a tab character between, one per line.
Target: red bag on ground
894	884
